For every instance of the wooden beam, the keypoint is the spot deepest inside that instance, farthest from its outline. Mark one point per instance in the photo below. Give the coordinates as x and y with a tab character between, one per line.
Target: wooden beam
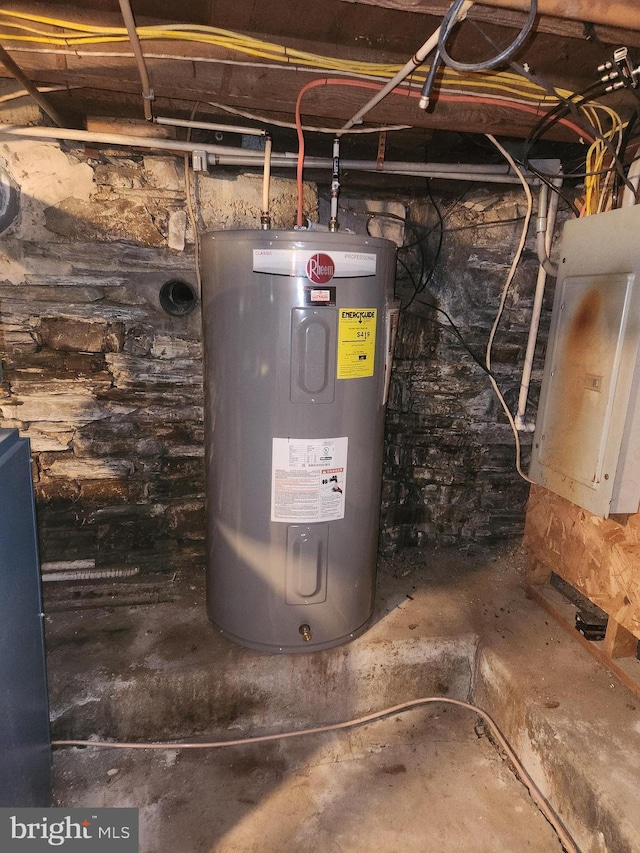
15	71
564	612
197	75
613	13
622	15
618	642
273	89
327	106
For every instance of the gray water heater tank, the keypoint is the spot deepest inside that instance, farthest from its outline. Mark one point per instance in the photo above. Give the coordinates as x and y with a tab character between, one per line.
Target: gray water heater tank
297	332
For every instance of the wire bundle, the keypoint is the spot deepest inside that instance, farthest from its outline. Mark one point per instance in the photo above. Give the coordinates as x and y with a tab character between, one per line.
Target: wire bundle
19	30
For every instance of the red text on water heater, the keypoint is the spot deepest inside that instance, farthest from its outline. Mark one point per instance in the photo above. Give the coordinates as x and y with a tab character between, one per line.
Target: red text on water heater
320	268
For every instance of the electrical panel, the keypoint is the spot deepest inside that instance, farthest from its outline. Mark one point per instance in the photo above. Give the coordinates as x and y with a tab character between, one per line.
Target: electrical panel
587	438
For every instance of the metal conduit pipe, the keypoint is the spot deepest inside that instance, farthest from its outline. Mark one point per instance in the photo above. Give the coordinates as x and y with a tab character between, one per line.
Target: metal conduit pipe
130	24
420	170
265	218
417	59
224	155
550	223
541	232
206	125
221	155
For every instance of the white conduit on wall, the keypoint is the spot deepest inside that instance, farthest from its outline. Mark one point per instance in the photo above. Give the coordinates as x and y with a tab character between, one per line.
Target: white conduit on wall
265	216
130	24
550	219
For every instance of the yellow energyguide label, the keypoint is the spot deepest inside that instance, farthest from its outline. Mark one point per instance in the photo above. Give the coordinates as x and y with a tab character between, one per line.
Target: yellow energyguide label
356	342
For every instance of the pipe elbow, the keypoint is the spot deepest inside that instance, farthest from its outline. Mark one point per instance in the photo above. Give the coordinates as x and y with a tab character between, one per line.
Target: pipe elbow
543	257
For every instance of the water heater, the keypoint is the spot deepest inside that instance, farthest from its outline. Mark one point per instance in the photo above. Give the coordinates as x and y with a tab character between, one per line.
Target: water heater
298	334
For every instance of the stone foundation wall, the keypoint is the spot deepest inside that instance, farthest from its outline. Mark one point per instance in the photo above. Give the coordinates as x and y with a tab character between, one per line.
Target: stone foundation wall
450	458
104	382
108	386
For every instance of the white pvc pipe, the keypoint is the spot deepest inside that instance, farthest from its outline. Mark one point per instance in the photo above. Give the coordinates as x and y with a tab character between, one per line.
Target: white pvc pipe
131	141
206	125
417	59
550	215
419	170
130	24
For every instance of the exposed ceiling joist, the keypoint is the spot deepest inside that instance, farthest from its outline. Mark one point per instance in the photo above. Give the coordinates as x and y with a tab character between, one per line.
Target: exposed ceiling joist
16	72
622	14
613	13
103	78
245	88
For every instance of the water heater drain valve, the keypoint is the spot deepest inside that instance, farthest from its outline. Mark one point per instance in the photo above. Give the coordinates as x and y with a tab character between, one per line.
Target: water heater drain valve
305	630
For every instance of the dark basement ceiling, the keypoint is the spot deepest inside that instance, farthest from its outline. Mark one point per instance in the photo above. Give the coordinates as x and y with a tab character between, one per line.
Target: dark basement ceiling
564	53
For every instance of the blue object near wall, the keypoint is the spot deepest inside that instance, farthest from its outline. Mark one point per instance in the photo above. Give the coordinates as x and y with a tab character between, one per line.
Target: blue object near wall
25	750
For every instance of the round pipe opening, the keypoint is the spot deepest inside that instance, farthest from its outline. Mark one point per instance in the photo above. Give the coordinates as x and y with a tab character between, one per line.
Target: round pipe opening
178	297
9	200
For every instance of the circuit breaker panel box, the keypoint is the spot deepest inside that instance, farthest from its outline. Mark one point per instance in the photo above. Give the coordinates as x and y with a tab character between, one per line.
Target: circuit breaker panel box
587	439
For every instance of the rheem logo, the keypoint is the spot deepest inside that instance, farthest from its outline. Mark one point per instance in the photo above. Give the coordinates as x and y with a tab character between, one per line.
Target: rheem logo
320	268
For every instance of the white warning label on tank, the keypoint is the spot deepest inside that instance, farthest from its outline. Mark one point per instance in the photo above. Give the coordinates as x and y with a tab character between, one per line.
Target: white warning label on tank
319	265
308	479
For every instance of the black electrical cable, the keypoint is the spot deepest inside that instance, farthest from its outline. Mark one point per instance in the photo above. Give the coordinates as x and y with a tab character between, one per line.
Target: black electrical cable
420	286
564	106
425	281
544	124
627	134
449	22
597	88
570	105
451	328
414	226
488	224
427	88
549	182
455	331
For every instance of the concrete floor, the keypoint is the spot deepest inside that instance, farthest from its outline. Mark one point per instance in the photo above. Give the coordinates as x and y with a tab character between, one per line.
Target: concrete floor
447	622
421	782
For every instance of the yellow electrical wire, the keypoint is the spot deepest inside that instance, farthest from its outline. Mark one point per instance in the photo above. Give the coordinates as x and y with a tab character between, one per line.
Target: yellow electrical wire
88	34
27	28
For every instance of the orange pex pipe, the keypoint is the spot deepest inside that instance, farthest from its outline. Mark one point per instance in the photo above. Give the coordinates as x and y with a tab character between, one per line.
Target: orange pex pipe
443	96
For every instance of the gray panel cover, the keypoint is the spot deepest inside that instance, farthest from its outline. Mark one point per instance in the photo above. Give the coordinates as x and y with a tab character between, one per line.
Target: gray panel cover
585	447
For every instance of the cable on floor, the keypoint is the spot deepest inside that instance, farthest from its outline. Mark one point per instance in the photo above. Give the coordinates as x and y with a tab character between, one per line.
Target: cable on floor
535	792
